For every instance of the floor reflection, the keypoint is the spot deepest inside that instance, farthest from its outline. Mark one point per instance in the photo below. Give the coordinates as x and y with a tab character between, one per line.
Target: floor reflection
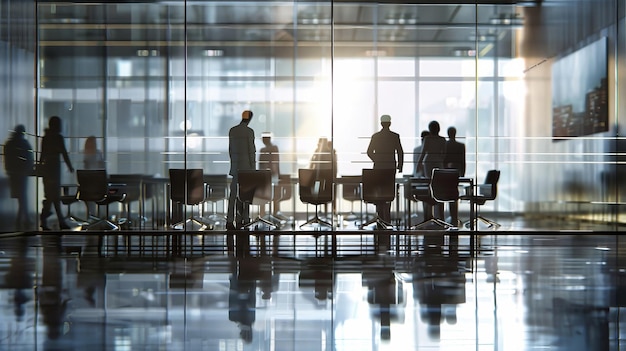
285	292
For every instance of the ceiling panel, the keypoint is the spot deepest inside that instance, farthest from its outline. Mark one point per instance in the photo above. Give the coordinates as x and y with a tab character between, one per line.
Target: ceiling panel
402	29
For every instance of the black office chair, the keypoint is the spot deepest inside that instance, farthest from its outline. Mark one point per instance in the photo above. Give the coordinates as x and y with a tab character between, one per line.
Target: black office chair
480	194
216	191
351	192
316	188
379	185
93	185
187	188
255	188
443	187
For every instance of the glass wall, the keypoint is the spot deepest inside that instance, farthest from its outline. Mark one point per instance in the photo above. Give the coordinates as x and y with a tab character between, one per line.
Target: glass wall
159	84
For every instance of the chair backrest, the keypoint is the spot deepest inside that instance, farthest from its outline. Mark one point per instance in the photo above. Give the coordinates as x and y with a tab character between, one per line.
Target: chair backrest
489	190
315	185
255	186
93	184
378	185
187	185
351	187
217	187
444	184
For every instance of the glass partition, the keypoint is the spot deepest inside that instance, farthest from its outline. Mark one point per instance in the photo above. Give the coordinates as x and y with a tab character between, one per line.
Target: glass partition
159	85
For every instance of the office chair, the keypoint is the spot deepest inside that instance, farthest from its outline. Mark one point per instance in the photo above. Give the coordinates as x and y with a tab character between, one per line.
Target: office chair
316	188
255	188
443	187
93	185
379	185
480	194
187	188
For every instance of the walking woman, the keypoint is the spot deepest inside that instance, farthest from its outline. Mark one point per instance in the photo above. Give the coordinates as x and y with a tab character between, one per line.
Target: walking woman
52	147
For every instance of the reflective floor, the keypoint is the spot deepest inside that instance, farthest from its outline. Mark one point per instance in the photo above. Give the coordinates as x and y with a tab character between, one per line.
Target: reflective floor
505	290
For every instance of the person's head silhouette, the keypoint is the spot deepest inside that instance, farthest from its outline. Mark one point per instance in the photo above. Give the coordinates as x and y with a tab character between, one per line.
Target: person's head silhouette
54	124
267	138
19	130
452	133
434	128
385	121
246	116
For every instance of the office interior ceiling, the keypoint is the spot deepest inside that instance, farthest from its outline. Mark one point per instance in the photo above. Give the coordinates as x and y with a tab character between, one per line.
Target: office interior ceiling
261	28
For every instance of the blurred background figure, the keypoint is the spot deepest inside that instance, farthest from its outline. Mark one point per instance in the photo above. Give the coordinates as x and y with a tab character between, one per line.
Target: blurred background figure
92	159
18	163
455	158
92	156
269	158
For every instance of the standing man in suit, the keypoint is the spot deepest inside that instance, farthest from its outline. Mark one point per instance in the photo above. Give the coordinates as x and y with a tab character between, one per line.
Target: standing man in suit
382	150
455	158
242	154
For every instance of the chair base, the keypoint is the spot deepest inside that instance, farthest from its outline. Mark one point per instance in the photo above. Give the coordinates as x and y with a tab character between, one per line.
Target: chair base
488	222
260	220
380	224
191	224
102	224
433	224
316	220
276	221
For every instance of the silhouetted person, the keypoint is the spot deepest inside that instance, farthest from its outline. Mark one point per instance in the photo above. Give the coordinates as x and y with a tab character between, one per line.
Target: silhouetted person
383	148
92	159
433	153
455	158
52	148
417	151
269	158
92	156
18	163
242	152
324	159
418	172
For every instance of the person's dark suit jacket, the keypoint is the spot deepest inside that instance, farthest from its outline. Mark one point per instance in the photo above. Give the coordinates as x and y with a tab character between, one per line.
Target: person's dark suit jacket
455	156
383	148
241	148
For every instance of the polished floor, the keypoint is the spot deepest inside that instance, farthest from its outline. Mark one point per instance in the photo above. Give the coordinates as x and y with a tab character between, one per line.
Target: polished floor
532	288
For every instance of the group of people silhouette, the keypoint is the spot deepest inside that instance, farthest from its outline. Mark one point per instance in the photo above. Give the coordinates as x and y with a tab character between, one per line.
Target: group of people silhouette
384	150
20	163
437	152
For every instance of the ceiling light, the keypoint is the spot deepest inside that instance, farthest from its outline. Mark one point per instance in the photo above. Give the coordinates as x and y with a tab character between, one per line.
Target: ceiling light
464	52
507	19
213	52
